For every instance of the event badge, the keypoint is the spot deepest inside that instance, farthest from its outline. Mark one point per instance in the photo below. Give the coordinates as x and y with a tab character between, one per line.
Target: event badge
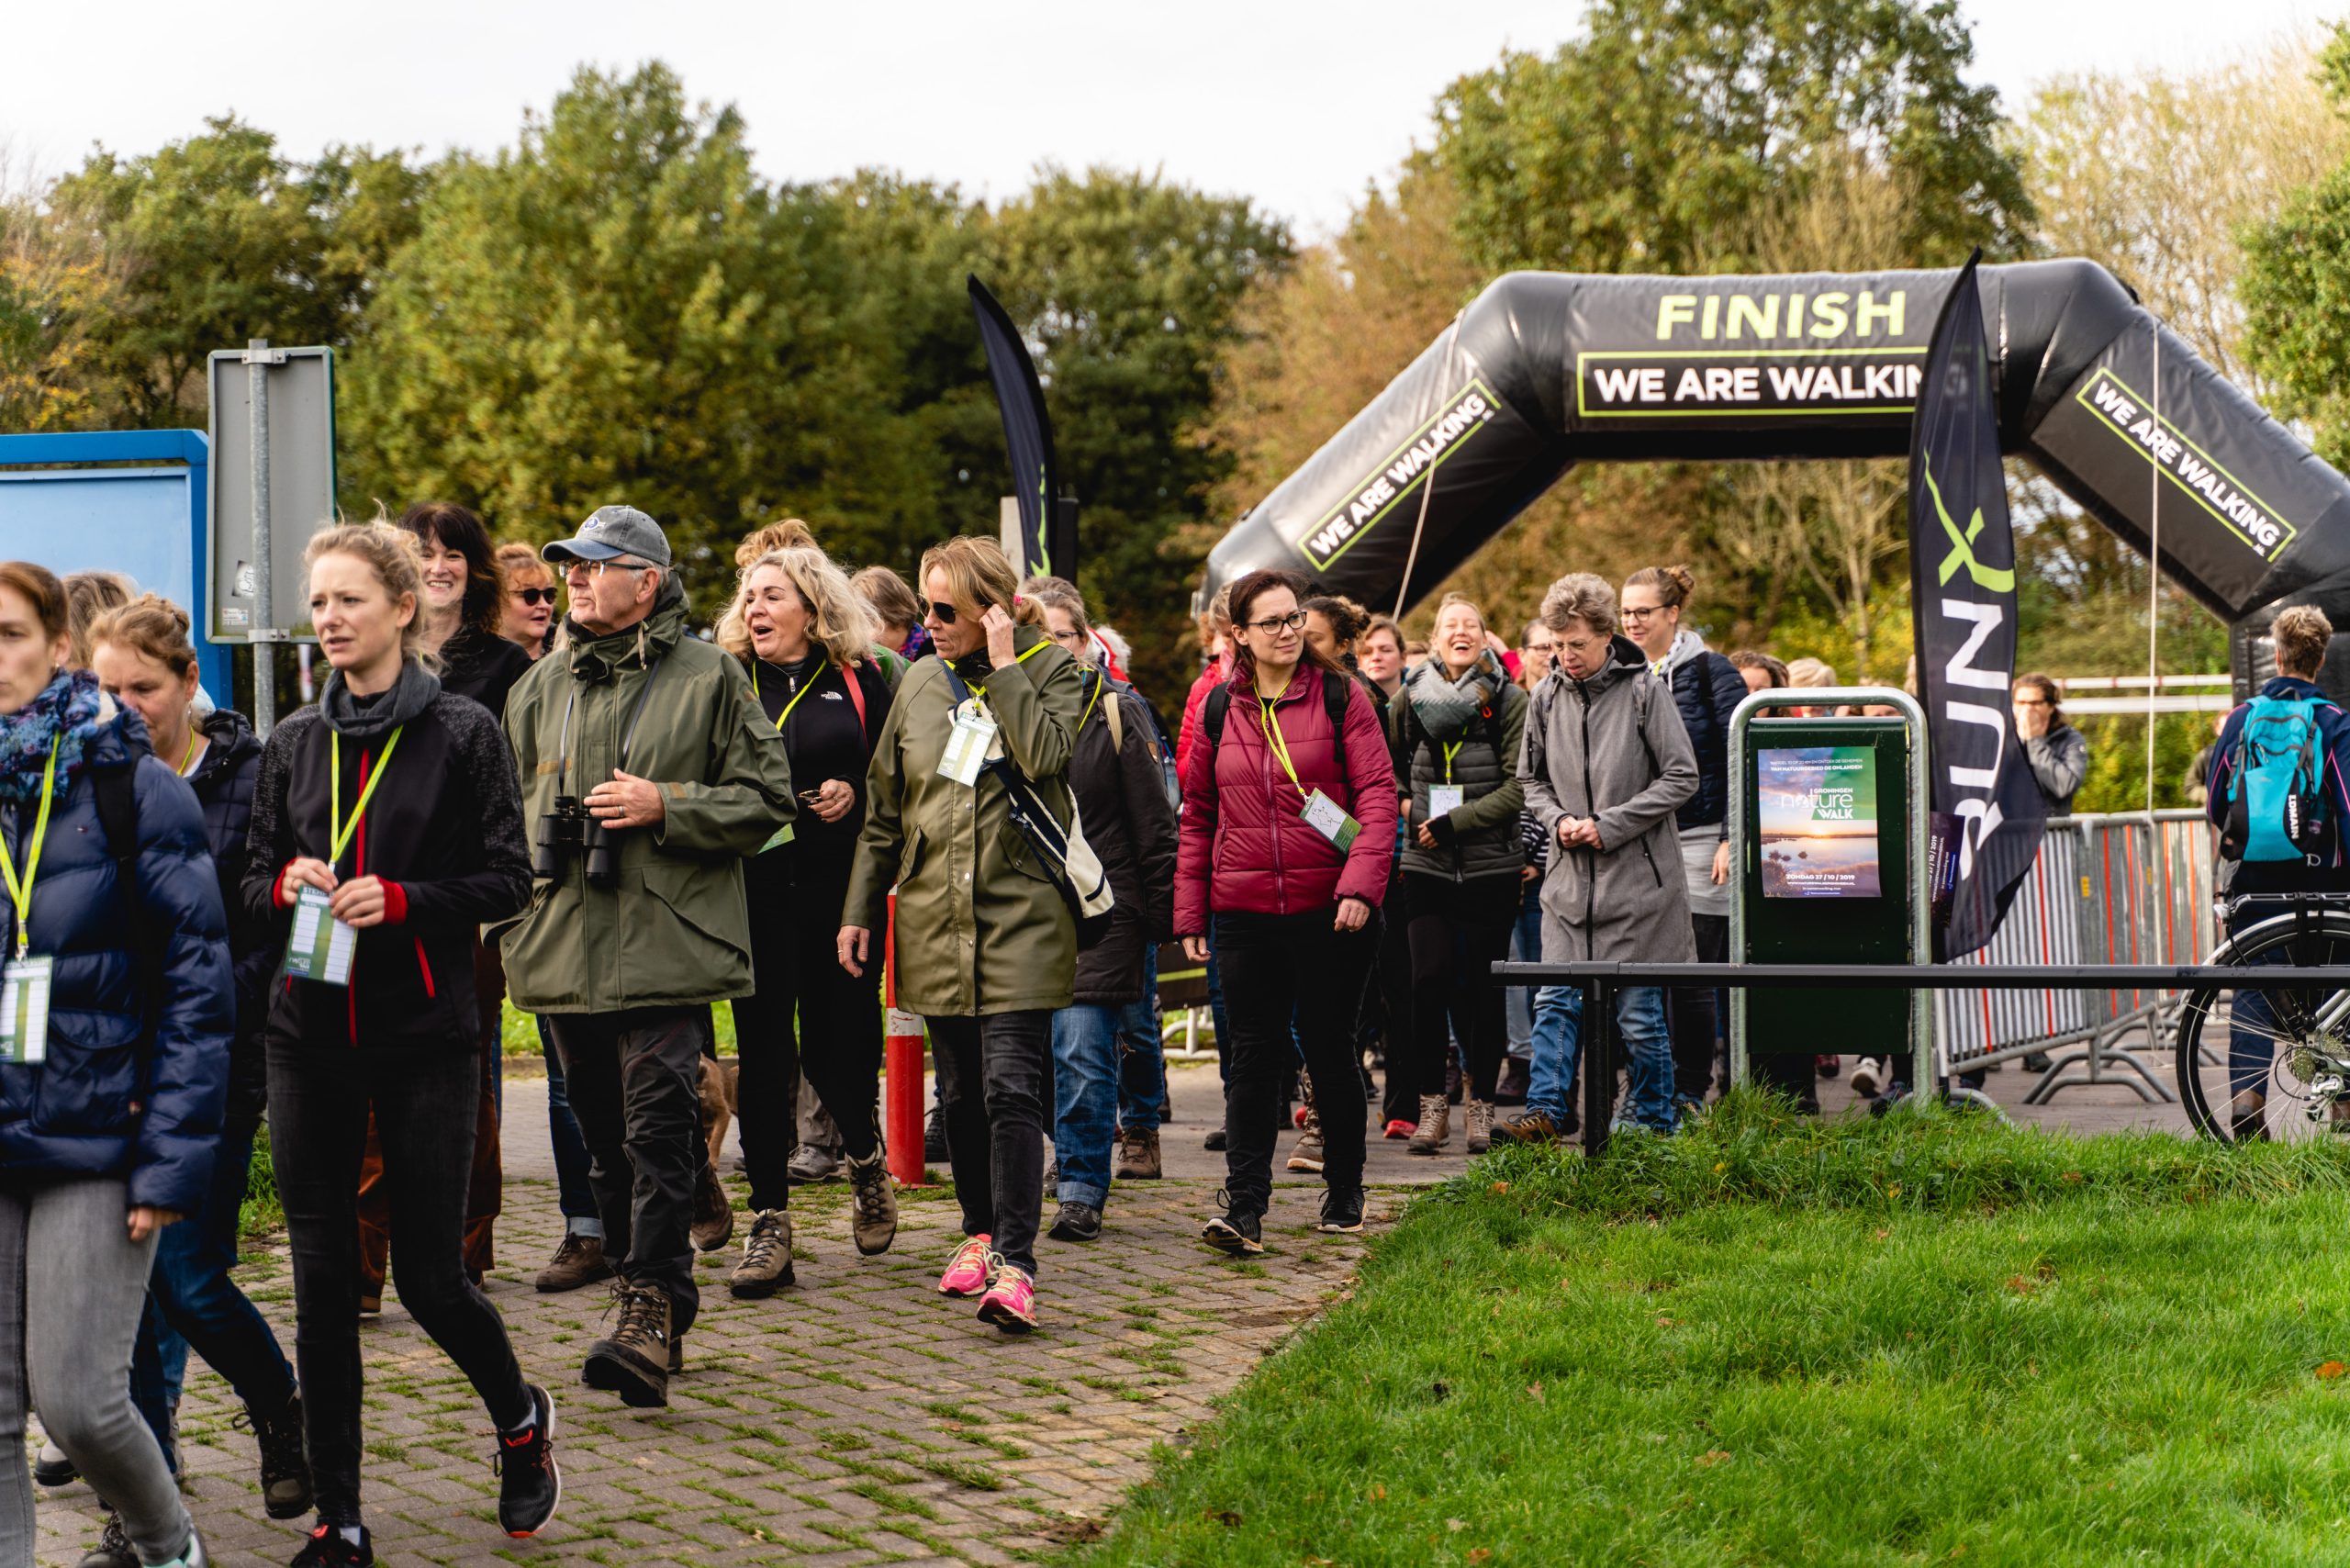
968	746
1445	798
321	946
24	1011
1323	816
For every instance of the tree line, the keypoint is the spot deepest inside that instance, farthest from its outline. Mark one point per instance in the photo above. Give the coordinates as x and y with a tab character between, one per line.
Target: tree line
618	304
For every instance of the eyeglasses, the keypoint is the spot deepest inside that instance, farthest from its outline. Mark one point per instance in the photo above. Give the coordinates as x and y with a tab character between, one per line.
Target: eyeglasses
1542	647
2033	702
944	612
1066	636
535	595
597	568
1632	614
1292	621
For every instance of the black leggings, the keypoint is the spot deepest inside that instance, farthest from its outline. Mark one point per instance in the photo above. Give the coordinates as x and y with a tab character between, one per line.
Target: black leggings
1278	967
1458	931
994	1082
1387	1003
318	1130
1695	1016
799	973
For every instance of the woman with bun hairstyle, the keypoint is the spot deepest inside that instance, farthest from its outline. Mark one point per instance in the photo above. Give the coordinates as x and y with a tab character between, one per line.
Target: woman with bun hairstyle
144	660
986	943
1288	826
1706	688
110	1102
375	896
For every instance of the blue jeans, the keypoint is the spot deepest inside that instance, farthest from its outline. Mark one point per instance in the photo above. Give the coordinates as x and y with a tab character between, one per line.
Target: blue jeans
574	1196
191	1297
1639	1024
1142	1056
1085	1099
1557	1041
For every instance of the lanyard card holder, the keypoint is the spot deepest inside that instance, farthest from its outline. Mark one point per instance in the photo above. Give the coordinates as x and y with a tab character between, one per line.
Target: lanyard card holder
320	948
1325	817
1445	799
23	1010
968	744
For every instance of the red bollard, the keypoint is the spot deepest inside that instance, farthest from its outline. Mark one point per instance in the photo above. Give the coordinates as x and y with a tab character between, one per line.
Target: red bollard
902	1060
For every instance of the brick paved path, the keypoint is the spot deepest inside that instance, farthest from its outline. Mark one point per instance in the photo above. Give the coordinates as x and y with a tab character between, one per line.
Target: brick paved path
857	1417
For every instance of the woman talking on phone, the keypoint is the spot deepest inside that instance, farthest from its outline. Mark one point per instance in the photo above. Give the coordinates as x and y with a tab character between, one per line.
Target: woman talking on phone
807	640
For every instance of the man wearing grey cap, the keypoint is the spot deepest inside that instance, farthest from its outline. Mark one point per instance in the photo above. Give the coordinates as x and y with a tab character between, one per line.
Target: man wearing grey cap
648	773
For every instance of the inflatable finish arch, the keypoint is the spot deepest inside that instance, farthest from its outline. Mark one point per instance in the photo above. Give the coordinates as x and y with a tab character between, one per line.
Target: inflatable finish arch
1546	370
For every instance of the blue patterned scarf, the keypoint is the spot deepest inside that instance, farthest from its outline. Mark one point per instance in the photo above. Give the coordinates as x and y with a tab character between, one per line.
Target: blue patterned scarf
67	712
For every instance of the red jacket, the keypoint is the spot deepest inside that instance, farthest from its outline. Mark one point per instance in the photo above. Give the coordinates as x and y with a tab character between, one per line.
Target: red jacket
1218	671
1245	844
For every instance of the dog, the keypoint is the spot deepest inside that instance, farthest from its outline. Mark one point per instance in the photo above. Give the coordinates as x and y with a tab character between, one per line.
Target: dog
720	1101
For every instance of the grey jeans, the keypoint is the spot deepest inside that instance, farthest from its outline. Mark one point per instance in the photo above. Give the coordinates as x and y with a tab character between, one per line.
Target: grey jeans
72	1286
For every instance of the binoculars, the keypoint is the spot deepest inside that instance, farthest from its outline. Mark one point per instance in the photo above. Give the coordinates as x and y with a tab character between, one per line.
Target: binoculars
571	828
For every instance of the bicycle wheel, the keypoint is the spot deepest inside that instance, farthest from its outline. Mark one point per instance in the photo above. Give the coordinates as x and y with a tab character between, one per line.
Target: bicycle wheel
2294	1051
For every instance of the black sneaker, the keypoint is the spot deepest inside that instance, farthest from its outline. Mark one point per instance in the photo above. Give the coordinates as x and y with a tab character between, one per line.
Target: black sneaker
114	1548
328	1548
934	1138
1077	1221
1237	1233
529	1484
1341	1211
1214	1142
285	1467
53	1469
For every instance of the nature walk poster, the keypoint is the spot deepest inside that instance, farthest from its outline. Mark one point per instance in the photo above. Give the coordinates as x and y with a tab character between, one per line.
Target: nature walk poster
1819	812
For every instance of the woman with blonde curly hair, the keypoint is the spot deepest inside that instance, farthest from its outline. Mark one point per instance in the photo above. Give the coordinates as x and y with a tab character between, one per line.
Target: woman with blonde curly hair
807	639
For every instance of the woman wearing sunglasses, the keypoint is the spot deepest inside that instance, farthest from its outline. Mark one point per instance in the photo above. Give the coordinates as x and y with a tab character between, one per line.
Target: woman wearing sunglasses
526	616
986	947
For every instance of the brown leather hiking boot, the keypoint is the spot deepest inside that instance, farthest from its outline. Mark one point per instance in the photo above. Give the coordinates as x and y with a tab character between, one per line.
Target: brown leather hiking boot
766	1257
578	1262
1138	1157
873	1203
714	1224
634	1362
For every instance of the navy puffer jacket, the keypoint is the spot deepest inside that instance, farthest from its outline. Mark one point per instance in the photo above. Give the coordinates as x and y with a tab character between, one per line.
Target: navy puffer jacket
1706	688
82	1112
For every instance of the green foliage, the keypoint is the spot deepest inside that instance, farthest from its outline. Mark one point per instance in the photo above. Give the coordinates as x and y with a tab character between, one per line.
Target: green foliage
1926	1339
2117	775
1652	142
262	1215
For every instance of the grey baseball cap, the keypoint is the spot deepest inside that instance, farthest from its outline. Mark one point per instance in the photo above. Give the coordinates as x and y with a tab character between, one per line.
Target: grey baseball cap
610	532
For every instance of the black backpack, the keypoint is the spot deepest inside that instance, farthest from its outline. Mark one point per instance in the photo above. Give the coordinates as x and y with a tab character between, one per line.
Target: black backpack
1335	693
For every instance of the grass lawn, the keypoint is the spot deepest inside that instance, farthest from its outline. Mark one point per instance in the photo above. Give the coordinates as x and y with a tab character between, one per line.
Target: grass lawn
1925	1339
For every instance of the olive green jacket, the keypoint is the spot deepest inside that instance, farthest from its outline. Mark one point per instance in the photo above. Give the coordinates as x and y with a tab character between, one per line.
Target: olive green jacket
672	929
981	928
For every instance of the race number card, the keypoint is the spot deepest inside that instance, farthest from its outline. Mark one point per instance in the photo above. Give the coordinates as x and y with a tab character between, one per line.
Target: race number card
1445	798
24	1011
321	946
968	746
1323	815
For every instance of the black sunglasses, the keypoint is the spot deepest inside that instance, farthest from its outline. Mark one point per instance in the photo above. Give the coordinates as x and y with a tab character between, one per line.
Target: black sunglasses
535	595
944	612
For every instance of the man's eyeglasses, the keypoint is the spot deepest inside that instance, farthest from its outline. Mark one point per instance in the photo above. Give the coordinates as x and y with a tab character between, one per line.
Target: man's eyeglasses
535	595
944	611
597	568
1293	621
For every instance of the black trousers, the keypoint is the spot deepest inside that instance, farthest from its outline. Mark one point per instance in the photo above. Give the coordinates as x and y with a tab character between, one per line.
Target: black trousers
634	1079
995	1074
1458	931
1277	968
1387	998
317	1130
1693	1014
837	1014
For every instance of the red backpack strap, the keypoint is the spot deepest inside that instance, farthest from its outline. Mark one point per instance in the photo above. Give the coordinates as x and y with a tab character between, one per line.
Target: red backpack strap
857	697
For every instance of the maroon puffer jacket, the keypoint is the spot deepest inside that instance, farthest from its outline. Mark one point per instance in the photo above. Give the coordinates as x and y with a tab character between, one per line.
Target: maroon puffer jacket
1245	844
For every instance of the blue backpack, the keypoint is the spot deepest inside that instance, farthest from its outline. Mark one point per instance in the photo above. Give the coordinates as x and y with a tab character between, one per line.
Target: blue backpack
2276	795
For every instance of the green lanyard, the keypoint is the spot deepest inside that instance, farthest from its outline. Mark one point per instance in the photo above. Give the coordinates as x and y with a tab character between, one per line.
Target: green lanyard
1449	753
821	666
22	893
341	830
1278	742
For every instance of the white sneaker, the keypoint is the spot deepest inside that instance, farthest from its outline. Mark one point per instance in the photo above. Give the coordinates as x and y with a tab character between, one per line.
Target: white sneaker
1868	1076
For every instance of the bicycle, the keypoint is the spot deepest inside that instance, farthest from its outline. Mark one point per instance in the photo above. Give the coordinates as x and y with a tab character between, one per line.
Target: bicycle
2305	1086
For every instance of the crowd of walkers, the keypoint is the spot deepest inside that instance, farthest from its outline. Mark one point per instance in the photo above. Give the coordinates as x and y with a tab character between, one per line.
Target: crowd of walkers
531	785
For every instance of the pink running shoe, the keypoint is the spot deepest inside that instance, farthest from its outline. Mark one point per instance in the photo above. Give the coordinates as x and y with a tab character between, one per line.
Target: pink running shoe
1011	1304
969	1273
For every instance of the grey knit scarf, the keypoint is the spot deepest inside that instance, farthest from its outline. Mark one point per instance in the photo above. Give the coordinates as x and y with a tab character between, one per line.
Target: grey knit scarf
1444	709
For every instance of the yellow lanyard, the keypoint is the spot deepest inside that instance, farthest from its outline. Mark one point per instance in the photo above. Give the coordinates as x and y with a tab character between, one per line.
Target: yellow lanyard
1089	701
22	893
341	830
1449	753
1280	743
980	687
821	666
188	760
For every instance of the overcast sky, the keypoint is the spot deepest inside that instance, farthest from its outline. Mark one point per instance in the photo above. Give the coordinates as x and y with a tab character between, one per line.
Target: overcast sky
1297	103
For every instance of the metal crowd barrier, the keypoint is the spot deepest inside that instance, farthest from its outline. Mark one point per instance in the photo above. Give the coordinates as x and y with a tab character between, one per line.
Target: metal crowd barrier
2125	888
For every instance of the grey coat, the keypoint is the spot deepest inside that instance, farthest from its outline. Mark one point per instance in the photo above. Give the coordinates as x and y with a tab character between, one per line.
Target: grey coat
1614	747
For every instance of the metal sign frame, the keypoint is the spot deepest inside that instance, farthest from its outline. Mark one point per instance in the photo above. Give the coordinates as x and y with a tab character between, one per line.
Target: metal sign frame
271	601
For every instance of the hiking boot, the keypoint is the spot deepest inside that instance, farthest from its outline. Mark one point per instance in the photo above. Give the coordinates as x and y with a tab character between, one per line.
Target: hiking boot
329	1547
1481	1126
578	1262
634	1362
970	1270
284	1468
714	1224
934	1138
1216	1142
873	1203
1139	1156
1867	1075
676	1354
1534	1127
1307	1155
1341	1211
810	1163
765	1267
1434	1128
529	1485
1077	1221
1011	1303
114	1548
1238	1233
52	1467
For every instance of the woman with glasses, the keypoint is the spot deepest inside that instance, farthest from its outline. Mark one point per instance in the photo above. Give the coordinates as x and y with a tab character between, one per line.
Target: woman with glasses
527	608
986	943
1289	812
2058	755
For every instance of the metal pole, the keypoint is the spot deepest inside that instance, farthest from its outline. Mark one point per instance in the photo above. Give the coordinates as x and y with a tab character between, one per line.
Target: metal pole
265	617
